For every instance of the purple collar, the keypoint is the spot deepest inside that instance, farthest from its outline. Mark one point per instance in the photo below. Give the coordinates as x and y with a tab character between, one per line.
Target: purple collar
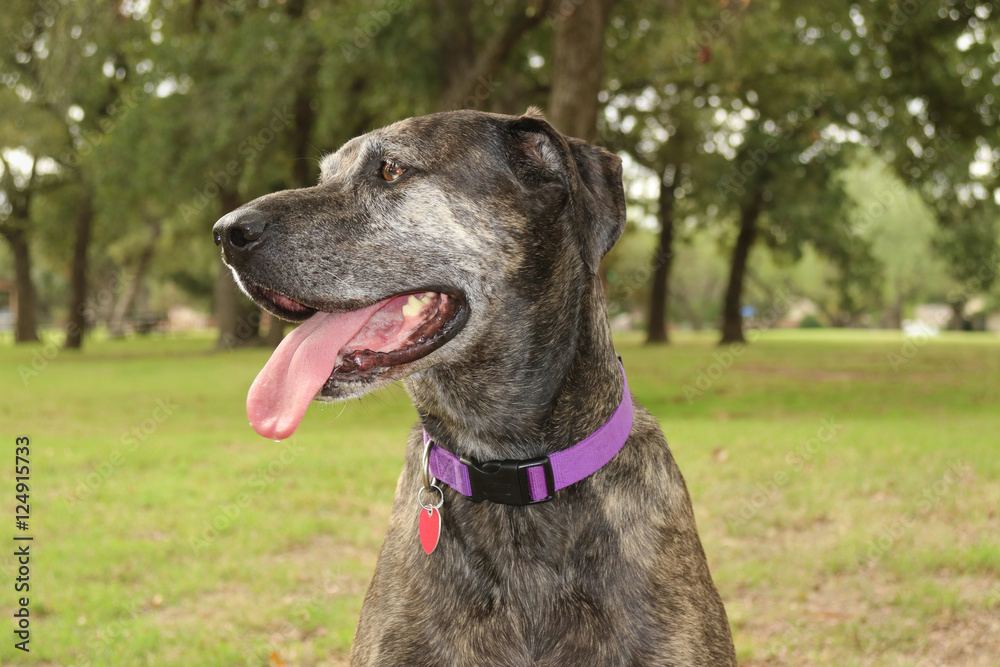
531	481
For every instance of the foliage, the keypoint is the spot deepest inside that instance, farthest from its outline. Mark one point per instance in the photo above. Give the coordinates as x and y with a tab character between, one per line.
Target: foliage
899	226
939	118
173	112
810	322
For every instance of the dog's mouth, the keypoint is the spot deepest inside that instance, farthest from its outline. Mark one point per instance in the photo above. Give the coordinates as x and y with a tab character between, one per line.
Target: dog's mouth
329	350
284	307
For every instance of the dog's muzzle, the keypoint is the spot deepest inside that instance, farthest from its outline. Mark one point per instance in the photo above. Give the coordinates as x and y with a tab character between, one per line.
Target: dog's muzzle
239	233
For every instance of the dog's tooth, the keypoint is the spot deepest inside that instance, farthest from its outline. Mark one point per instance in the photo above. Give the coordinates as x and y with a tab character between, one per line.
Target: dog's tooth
413	306
426	298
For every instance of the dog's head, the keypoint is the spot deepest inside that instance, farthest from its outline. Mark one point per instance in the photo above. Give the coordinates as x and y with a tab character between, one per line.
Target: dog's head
422	241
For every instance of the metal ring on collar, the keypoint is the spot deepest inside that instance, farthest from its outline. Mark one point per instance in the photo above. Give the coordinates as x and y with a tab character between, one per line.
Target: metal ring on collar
430	507
425	466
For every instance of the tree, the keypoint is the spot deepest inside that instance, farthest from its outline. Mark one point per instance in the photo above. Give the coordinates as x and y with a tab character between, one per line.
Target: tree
471	48
15	226
936	80
750	206
894	220
29	131
69	70
700	274
781	183
578	66
355	67
76	324
246	131
748	132
144	259
967	240
663	260
651	116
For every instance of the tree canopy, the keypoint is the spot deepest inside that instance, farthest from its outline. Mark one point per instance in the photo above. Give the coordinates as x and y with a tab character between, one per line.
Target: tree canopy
859	140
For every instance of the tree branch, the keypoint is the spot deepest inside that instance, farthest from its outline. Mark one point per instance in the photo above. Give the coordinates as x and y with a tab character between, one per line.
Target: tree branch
464	81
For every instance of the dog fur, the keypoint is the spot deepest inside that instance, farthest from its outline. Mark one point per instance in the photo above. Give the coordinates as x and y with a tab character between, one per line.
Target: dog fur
515	218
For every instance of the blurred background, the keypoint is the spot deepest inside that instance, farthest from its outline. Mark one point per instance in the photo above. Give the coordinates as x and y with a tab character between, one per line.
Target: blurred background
837	163
805	295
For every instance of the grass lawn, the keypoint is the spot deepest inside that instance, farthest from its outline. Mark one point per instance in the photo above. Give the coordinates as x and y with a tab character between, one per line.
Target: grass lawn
846	484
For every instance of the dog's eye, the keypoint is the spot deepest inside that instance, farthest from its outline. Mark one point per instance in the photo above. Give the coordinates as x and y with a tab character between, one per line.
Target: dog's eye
391	171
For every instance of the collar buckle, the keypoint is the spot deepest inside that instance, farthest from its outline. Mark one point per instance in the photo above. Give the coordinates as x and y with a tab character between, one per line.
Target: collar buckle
511	482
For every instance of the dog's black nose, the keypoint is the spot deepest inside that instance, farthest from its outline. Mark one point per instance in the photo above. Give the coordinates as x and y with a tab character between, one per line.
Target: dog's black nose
239	232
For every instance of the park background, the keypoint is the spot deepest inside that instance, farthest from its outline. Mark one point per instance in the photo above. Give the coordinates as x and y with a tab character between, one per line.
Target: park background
806	295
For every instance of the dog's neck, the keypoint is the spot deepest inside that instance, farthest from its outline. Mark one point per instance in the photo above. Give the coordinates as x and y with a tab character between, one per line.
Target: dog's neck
530	398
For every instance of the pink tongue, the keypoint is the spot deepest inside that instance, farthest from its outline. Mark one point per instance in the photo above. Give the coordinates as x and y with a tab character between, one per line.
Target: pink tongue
298	369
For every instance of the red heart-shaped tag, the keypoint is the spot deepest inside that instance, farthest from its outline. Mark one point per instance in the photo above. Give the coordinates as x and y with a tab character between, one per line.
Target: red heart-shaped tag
430	529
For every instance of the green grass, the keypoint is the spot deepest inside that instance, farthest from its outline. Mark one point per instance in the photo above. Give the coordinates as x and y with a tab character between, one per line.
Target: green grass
846	485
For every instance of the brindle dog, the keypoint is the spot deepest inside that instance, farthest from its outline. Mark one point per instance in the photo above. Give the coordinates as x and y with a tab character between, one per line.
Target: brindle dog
498	225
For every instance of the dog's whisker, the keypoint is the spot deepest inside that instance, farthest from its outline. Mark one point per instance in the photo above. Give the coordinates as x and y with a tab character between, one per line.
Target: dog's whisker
336	277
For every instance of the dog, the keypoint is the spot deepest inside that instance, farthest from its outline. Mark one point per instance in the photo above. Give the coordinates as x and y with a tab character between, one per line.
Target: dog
459	252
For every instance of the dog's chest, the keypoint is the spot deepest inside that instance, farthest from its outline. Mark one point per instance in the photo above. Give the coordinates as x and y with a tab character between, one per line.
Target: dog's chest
535	592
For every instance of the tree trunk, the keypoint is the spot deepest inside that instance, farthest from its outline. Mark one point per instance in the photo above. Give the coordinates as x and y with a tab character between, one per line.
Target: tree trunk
237	319
305	118
694	317
302	130
116	325
732	318
26	330
957	321
16	230
578	66
225	308
77	323
896	312
659	305
469	62
275	332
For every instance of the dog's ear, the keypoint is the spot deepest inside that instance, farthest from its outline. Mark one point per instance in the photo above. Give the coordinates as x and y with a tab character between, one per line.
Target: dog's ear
537	151
602	195
592	176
